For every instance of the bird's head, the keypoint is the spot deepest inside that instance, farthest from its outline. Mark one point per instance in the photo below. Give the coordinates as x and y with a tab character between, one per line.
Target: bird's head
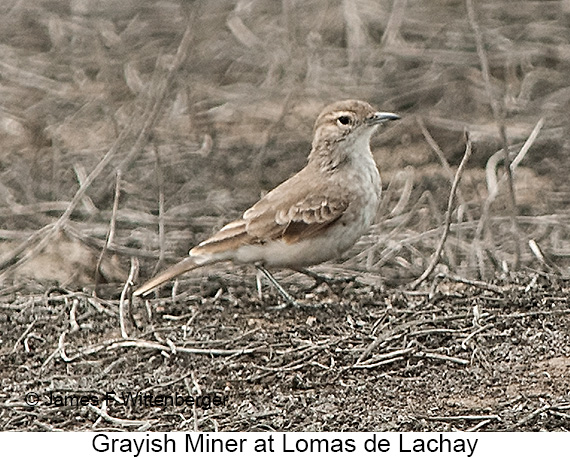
347	125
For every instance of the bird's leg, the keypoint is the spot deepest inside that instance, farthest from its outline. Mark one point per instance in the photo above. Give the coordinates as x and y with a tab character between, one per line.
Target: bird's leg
286	295
258	284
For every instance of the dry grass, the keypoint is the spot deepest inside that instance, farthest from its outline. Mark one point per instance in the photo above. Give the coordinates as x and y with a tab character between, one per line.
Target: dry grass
131	130
225	113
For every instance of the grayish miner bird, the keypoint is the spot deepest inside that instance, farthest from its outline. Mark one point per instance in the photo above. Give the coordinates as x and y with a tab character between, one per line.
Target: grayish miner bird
312	217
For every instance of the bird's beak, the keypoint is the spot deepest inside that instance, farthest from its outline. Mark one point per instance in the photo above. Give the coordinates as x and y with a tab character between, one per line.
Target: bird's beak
380	118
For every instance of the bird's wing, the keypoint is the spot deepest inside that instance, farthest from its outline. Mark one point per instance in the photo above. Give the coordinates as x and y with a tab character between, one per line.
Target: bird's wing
294	221
297	209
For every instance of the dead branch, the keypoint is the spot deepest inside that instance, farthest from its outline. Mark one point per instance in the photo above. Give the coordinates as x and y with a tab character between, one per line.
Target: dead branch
441	157
142	425
161	230
131	280
444	358
111	232
462	418
494	185
498	116
447	223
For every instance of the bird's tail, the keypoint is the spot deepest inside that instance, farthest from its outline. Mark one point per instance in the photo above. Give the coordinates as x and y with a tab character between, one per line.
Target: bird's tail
183	266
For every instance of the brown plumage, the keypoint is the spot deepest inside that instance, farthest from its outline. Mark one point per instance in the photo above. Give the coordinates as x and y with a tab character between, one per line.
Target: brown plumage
313	216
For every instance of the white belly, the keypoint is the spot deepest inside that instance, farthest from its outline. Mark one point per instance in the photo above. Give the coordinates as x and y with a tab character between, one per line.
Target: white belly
310	251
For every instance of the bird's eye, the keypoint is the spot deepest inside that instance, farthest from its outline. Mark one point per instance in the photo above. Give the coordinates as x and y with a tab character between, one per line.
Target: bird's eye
344	120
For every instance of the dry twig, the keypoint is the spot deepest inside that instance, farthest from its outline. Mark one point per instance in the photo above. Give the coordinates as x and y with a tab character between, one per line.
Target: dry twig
462	418
142	425
131	280
161	230
111	232
498	116
447	223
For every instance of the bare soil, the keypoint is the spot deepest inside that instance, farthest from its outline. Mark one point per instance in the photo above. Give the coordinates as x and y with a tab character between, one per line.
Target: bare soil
489	357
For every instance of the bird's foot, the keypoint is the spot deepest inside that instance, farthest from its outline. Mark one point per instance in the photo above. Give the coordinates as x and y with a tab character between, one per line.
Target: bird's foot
323	279
290	301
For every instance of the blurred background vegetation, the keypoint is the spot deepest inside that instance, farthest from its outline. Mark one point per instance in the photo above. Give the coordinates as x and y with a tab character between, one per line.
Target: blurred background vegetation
201	106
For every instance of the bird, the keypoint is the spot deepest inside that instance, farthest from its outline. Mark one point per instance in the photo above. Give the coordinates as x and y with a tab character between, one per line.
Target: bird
312	217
